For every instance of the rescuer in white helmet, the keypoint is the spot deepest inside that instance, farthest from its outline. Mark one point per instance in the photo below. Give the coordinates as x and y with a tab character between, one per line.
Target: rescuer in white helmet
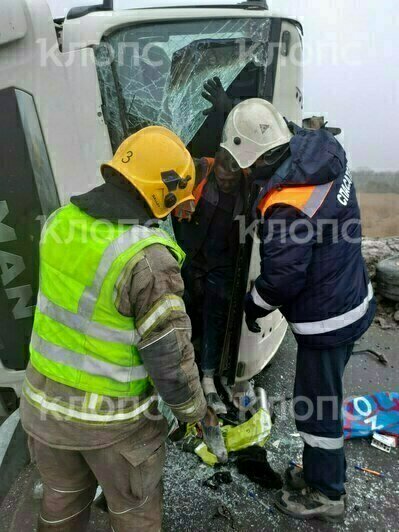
314	273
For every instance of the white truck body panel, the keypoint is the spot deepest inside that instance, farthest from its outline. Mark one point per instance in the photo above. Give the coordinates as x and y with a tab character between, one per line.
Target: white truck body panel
12	22
67	96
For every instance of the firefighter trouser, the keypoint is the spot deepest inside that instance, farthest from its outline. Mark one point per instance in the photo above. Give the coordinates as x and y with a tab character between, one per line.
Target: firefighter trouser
132	487
318	415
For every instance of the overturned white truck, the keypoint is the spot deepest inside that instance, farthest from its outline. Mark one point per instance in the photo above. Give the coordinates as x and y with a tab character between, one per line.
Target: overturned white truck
71	89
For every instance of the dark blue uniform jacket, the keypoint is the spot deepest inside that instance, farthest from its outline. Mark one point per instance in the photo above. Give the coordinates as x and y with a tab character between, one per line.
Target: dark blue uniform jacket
311	261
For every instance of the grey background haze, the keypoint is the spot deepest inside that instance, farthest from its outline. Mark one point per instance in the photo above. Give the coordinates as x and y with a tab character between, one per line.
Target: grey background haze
351	71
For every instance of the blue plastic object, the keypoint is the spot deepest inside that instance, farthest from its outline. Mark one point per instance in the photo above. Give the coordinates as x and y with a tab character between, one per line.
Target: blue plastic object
371	413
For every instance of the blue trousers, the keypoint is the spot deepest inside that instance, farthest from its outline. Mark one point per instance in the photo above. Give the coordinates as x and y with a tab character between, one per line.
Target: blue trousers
207	297
318	398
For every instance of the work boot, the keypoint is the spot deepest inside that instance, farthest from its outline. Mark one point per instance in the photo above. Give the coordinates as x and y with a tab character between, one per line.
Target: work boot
294	478
310	504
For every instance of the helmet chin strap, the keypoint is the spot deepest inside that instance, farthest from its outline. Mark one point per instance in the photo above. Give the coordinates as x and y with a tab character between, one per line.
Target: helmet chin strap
267	171
279	158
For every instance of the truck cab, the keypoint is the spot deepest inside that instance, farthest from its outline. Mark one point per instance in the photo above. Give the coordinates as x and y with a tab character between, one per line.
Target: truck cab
72	88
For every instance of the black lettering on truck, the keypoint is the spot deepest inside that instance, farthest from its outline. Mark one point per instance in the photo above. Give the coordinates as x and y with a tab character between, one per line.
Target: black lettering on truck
11	267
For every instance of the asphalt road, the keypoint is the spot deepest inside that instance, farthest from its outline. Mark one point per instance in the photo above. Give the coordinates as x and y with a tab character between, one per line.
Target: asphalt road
242	506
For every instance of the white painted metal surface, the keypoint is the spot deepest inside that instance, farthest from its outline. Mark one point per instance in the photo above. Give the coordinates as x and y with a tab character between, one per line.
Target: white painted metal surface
60	8
7	430
66	93
12	21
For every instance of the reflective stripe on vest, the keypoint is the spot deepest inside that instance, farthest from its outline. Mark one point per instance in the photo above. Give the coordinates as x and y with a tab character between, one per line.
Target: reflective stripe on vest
338	322
306	199
87	363
117	247
93	348
78	322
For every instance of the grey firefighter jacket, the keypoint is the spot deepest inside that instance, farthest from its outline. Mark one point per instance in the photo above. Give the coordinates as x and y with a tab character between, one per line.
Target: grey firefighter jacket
166	350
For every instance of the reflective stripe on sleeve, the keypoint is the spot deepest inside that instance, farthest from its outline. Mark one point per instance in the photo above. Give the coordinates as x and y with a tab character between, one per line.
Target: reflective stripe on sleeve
261	302
40	401
159	312
84	325
86	363
322	442
338	322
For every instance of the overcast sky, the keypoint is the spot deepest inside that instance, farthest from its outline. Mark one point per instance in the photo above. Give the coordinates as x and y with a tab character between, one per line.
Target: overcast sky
351	71
358	91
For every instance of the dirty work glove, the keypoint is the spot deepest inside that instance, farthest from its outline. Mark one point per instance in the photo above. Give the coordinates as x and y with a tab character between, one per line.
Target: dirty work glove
252	313
216	95
213	437
253	463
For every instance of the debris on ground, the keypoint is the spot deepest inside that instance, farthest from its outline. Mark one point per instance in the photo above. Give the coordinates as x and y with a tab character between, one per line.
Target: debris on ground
244	505
374	251
371	471
253	463
387	278
383	443
219	478
217	442
380	357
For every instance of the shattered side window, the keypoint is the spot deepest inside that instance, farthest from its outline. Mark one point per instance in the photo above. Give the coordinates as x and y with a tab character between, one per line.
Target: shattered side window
153	74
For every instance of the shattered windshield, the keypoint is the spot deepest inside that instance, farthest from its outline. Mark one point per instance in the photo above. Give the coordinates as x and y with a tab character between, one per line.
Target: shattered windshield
153	74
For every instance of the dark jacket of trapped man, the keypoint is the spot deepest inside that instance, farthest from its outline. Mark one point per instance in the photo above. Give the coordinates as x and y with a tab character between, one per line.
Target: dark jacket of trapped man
210	238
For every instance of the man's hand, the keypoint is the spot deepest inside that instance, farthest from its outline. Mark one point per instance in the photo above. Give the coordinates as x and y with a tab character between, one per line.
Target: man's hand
213	436
216	95
252	313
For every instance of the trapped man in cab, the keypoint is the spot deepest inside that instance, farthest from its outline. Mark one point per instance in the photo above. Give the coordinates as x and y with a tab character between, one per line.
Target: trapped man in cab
210	238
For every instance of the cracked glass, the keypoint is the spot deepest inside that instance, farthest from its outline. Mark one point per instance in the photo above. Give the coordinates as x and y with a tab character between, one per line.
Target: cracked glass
154	74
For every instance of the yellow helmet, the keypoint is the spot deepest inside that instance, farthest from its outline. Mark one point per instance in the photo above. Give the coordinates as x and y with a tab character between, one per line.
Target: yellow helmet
157	163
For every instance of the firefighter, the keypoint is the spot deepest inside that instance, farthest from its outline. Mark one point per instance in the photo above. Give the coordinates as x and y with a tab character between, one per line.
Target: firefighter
111	333
210	237
312	269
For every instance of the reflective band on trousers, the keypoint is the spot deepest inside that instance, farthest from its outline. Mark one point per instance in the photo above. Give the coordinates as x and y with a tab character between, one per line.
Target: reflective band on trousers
338	322
261	302
84	325
86	363
113	251
59	521
322	442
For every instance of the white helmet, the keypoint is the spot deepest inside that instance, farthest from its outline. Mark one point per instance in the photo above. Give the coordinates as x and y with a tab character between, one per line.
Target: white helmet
253	128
